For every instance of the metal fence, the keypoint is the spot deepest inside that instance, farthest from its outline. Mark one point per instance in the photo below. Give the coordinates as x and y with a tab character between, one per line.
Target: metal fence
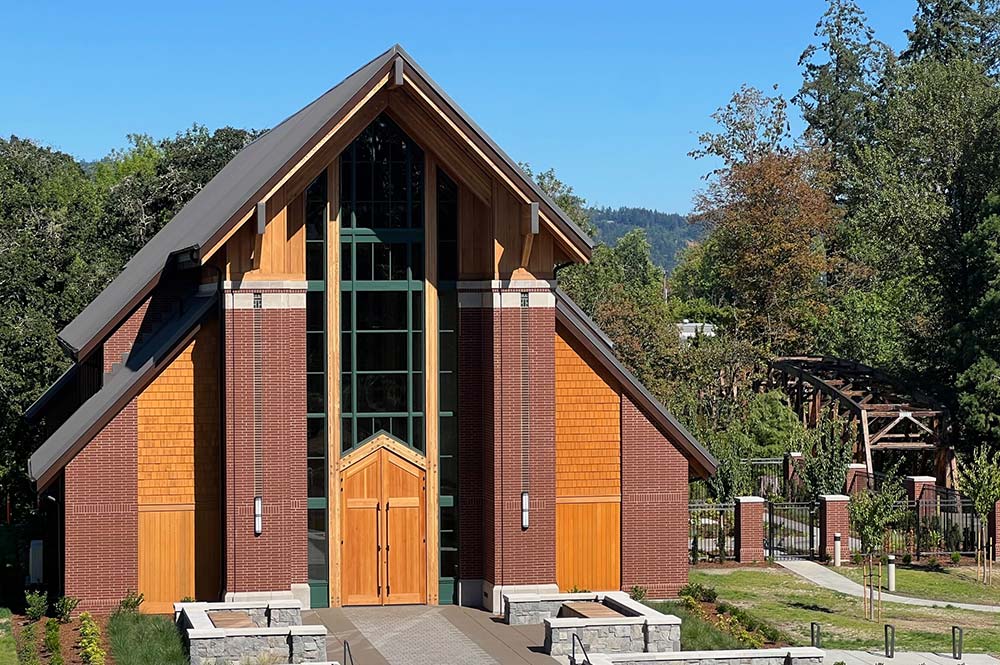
792	529
931	527
711	534
767	480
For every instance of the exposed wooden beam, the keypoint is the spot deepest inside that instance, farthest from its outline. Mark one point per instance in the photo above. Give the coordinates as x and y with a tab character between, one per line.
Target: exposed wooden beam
529	229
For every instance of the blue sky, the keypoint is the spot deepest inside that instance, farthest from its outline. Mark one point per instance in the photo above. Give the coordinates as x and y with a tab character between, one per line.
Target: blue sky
611	94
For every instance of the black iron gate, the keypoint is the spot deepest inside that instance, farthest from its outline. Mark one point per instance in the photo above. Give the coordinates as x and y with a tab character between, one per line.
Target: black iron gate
792	529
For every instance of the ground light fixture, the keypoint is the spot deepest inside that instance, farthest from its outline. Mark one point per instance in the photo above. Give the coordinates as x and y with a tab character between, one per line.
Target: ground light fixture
258	515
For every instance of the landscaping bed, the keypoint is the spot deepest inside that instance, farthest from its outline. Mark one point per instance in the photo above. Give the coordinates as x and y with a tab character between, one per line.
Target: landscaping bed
790	604
68	636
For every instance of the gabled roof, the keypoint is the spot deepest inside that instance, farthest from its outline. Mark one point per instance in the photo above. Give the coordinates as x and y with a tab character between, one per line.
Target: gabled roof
586	332
138	371
247	178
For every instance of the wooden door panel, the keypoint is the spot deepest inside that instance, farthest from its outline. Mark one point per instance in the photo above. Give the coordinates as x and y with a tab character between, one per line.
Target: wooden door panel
361	535
166	558
405	560
588	545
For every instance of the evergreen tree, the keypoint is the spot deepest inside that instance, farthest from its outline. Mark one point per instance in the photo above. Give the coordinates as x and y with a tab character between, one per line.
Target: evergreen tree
949	30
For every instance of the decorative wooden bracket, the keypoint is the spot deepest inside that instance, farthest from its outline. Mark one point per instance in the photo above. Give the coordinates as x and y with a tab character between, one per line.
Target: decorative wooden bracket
397	73
529	229
258	239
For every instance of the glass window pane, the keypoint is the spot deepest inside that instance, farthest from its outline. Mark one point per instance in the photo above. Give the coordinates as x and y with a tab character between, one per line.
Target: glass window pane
365	427
315	393
345	352
345	261
448	355
346	405
315	351
449	538
315	262
381	351
418	433
449	390
448	310
346	434
316	437
449	519
381	310
315	312
449	476
417	261
382	258
380	393
449	563
418	391
318	569
364	252
346	323
316	479
418	310
449	435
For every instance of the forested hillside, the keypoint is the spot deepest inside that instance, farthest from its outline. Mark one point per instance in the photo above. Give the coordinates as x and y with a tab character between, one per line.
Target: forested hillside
668	233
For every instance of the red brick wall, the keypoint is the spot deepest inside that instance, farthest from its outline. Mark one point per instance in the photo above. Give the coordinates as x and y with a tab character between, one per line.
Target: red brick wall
994	530
277	558
514	555
833	519
749	543
654	507
101	521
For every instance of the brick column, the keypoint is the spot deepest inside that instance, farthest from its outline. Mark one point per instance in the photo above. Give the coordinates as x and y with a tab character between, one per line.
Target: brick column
518	453
857	479
749	546
833	519
265	407
915	486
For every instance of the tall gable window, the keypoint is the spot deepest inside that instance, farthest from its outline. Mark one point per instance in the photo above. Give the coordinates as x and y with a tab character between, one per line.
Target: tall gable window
382	312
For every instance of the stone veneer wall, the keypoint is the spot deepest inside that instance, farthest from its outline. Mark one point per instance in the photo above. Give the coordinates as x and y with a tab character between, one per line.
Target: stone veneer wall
780	656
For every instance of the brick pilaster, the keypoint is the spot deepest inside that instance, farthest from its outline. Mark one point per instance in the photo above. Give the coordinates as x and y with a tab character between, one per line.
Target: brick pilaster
266	407
749	545
994	529
917	486
857	479
833	519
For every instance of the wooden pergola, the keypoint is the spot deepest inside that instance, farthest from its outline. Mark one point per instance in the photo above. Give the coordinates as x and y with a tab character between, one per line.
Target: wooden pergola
886	415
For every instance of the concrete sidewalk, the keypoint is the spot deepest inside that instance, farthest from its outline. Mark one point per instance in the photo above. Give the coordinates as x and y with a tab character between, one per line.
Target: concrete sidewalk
904	658
826	578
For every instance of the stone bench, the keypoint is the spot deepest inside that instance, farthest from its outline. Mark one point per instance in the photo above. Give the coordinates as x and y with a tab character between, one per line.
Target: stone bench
275	631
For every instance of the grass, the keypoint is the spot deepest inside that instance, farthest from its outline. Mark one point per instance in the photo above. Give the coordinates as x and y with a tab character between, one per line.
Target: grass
144	639
8	650
789	603
696	633
950	584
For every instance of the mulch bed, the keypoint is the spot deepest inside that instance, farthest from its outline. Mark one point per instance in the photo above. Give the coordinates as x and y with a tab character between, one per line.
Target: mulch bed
712	612
69	637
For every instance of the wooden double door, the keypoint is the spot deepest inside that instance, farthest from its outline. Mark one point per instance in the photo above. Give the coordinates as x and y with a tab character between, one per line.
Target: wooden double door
383	531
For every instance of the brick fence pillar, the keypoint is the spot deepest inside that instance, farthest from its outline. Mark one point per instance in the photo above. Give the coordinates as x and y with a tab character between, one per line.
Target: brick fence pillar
857	479
749	545
915	486
834	519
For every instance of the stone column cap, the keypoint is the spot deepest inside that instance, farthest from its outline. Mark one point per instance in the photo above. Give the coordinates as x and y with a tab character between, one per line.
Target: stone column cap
857	465
834	497
749	499
922	479
795	454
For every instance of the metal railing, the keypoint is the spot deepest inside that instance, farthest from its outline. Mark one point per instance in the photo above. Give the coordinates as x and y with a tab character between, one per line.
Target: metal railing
932	527
712	531
348	656
792	529
572	658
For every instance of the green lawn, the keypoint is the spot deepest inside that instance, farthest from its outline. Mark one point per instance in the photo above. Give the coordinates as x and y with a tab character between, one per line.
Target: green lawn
954	584
790	603
8	650
144	639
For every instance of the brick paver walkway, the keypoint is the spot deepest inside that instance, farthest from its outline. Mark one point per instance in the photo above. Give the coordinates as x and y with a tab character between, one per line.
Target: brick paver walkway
416	636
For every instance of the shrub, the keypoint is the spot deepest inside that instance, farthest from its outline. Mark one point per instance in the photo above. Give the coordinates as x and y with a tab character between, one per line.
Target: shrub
752	623
52	644
130	603
144	639
36	604
27	648
857	559
704	593
91	651
933	565
64	608
956	558
907	559
637	593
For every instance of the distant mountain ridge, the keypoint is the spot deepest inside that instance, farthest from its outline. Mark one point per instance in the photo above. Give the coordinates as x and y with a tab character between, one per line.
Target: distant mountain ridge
668	232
